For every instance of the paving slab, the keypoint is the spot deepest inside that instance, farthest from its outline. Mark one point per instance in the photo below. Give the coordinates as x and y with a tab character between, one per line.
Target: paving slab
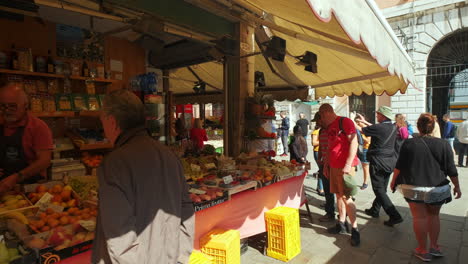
380	244
385	255
463	256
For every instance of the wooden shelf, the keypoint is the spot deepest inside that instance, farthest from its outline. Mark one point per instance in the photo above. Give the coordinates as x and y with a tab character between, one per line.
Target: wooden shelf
81	78
60	76
39	74
54	114
95	146
89	113
67	114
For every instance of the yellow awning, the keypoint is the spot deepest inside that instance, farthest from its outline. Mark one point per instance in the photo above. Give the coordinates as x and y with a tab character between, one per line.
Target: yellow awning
356	48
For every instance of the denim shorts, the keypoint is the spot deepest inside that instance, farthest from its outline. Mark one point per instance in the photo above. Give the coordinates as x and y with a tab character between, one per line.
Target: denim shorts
363	156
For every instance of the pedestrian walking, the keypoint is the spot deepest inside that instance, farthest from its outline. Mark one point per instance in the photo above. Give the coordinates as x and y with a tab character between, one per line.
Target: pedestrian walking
316	148
342	148
304	124
284	132
462	136
145	214
421	173
382	157
449	130
298	146
362	153
436	131
402	131
324	172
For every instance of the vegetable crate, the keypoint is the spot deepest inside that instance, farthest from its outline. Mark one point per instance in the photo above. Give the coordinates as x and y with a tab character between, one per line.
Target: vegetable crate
284	240
222	245
199	258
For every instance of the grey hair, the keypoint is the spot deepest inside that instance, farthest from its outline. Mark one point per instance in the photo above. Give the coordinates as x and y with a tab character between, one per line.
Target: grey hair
126	108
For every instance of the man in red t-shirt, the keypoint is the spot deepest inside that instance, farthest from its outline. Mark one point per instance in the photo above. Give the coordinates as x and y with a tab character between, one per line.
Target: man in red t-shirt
342	158
25	141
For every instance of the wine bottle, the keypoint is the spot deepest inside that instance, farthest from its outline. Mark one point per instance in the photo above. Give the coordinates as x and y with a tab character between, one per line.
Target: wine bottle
85	69
50	63
14	58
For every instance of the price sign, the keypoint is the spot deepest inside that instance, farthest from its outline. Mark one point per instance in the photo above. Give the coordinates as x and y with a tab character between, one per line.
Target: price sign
88	225
196	191
227	179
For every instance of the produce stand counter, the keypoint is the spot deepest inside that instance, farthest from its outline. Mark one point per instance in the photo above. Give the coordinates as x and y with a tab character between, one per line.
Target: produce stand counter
239	213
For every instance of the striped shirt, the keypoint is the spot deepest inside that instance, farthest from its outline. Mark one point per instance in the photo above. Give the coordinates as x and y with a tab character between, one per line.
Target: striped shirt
323	146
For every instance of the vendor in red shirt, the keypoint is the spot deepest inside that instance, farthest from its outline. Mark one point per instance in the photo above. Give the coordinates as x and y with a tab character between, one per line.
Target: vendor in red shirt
198	135
25	141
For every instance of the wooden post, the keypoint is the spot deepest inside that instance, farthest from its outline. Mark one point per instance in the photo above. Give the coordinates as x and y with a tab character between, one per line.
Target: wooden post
168	107
238	86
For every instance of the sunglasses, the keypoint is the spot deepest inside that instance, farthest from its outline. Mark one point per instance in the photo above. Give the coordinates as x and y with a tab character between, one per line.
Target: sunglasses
8	106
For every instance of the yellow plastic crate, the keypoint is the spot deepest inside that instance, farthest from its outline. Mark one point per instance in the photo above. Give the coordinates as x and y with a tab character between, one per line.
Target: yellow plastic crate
199	258
284	237
222	245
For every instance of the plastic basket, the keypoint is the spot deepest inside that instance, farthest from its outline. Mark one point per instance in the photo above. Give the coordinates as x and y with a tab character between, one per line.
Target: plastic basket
284	239
222	245
199	258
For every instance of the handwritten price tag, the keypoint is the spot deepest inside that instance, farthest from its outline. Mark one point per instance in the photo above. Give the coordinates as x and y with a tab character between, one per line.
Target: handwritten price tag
88	225
227	179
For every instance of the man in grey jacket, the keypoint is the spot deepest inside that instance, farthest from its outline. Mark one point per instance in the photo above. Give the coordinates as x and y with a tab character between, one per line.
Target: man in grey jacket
145	214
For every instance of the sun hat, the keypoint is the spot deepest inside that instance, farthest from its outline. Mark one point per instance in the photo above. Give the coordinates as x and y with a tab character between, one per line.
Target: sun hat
386	111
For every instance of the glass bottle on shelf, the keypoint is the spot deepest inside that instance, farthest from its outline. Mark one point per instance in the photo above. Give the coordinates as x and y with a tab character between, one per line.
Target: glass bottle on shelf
14	58
85	68
50	63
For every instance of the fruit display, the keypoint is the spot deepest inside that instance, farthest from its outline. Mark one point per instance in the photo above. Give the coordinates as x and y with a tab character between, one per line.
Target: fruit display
84	186
11	201
50	219
206	194
60	237
61	195
91	161
12	250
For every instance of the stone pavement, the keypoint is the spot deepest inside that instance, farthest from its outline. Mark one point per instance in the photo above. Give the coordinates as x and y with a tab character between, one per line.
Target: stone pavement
379	243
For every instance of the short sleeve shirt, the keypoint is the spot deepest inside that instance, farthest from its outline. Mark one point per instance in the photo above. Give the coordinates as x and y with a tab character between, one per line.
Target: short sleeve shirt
421	166
323	145
338	142
380	133
37	136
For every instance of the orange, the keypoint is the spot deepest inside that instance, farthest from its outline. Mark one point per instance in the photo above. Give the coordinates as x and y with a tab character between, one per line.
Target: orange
57	189
86	216
40	224
64	220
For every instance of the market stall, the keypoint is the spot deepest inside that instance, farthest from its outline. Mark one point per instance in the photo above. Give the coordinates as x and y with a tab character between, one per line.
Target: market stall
65	84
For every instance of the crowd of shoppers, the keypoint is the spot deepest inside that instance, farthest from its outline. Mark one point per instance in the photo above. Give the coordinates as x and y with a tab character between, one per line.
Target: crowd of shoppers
420	165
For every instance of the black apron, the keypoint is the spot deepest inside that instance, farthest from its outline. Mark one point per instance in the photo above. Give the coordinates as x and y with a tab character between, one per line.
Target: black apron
12	156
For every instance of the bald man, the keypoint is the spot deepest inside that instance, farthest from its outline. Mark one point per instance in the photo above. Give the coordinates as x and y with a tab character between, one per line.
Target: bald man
25	141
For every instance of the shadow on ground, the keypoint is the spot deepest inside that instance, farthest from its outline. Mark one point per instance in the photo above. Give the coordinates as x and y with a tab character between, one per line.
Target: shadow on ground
379	244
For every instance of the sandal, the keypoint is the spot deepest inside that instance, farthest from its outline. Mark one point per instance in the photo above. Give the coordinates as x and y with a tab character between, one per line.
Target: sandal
364	186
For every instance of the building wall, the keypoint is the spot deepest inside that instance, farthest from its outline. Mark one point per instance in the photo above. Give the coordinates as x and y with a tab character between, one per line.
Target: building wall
420	30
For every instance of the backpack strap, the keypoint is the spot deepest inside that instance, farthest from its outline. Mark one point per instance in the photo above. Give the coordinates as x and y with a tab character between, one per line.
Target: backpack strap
341	124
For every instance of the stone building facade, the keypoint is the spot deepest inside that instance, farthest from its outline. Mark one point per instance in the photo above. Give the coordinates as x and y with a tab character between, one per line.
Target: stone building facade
421	26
